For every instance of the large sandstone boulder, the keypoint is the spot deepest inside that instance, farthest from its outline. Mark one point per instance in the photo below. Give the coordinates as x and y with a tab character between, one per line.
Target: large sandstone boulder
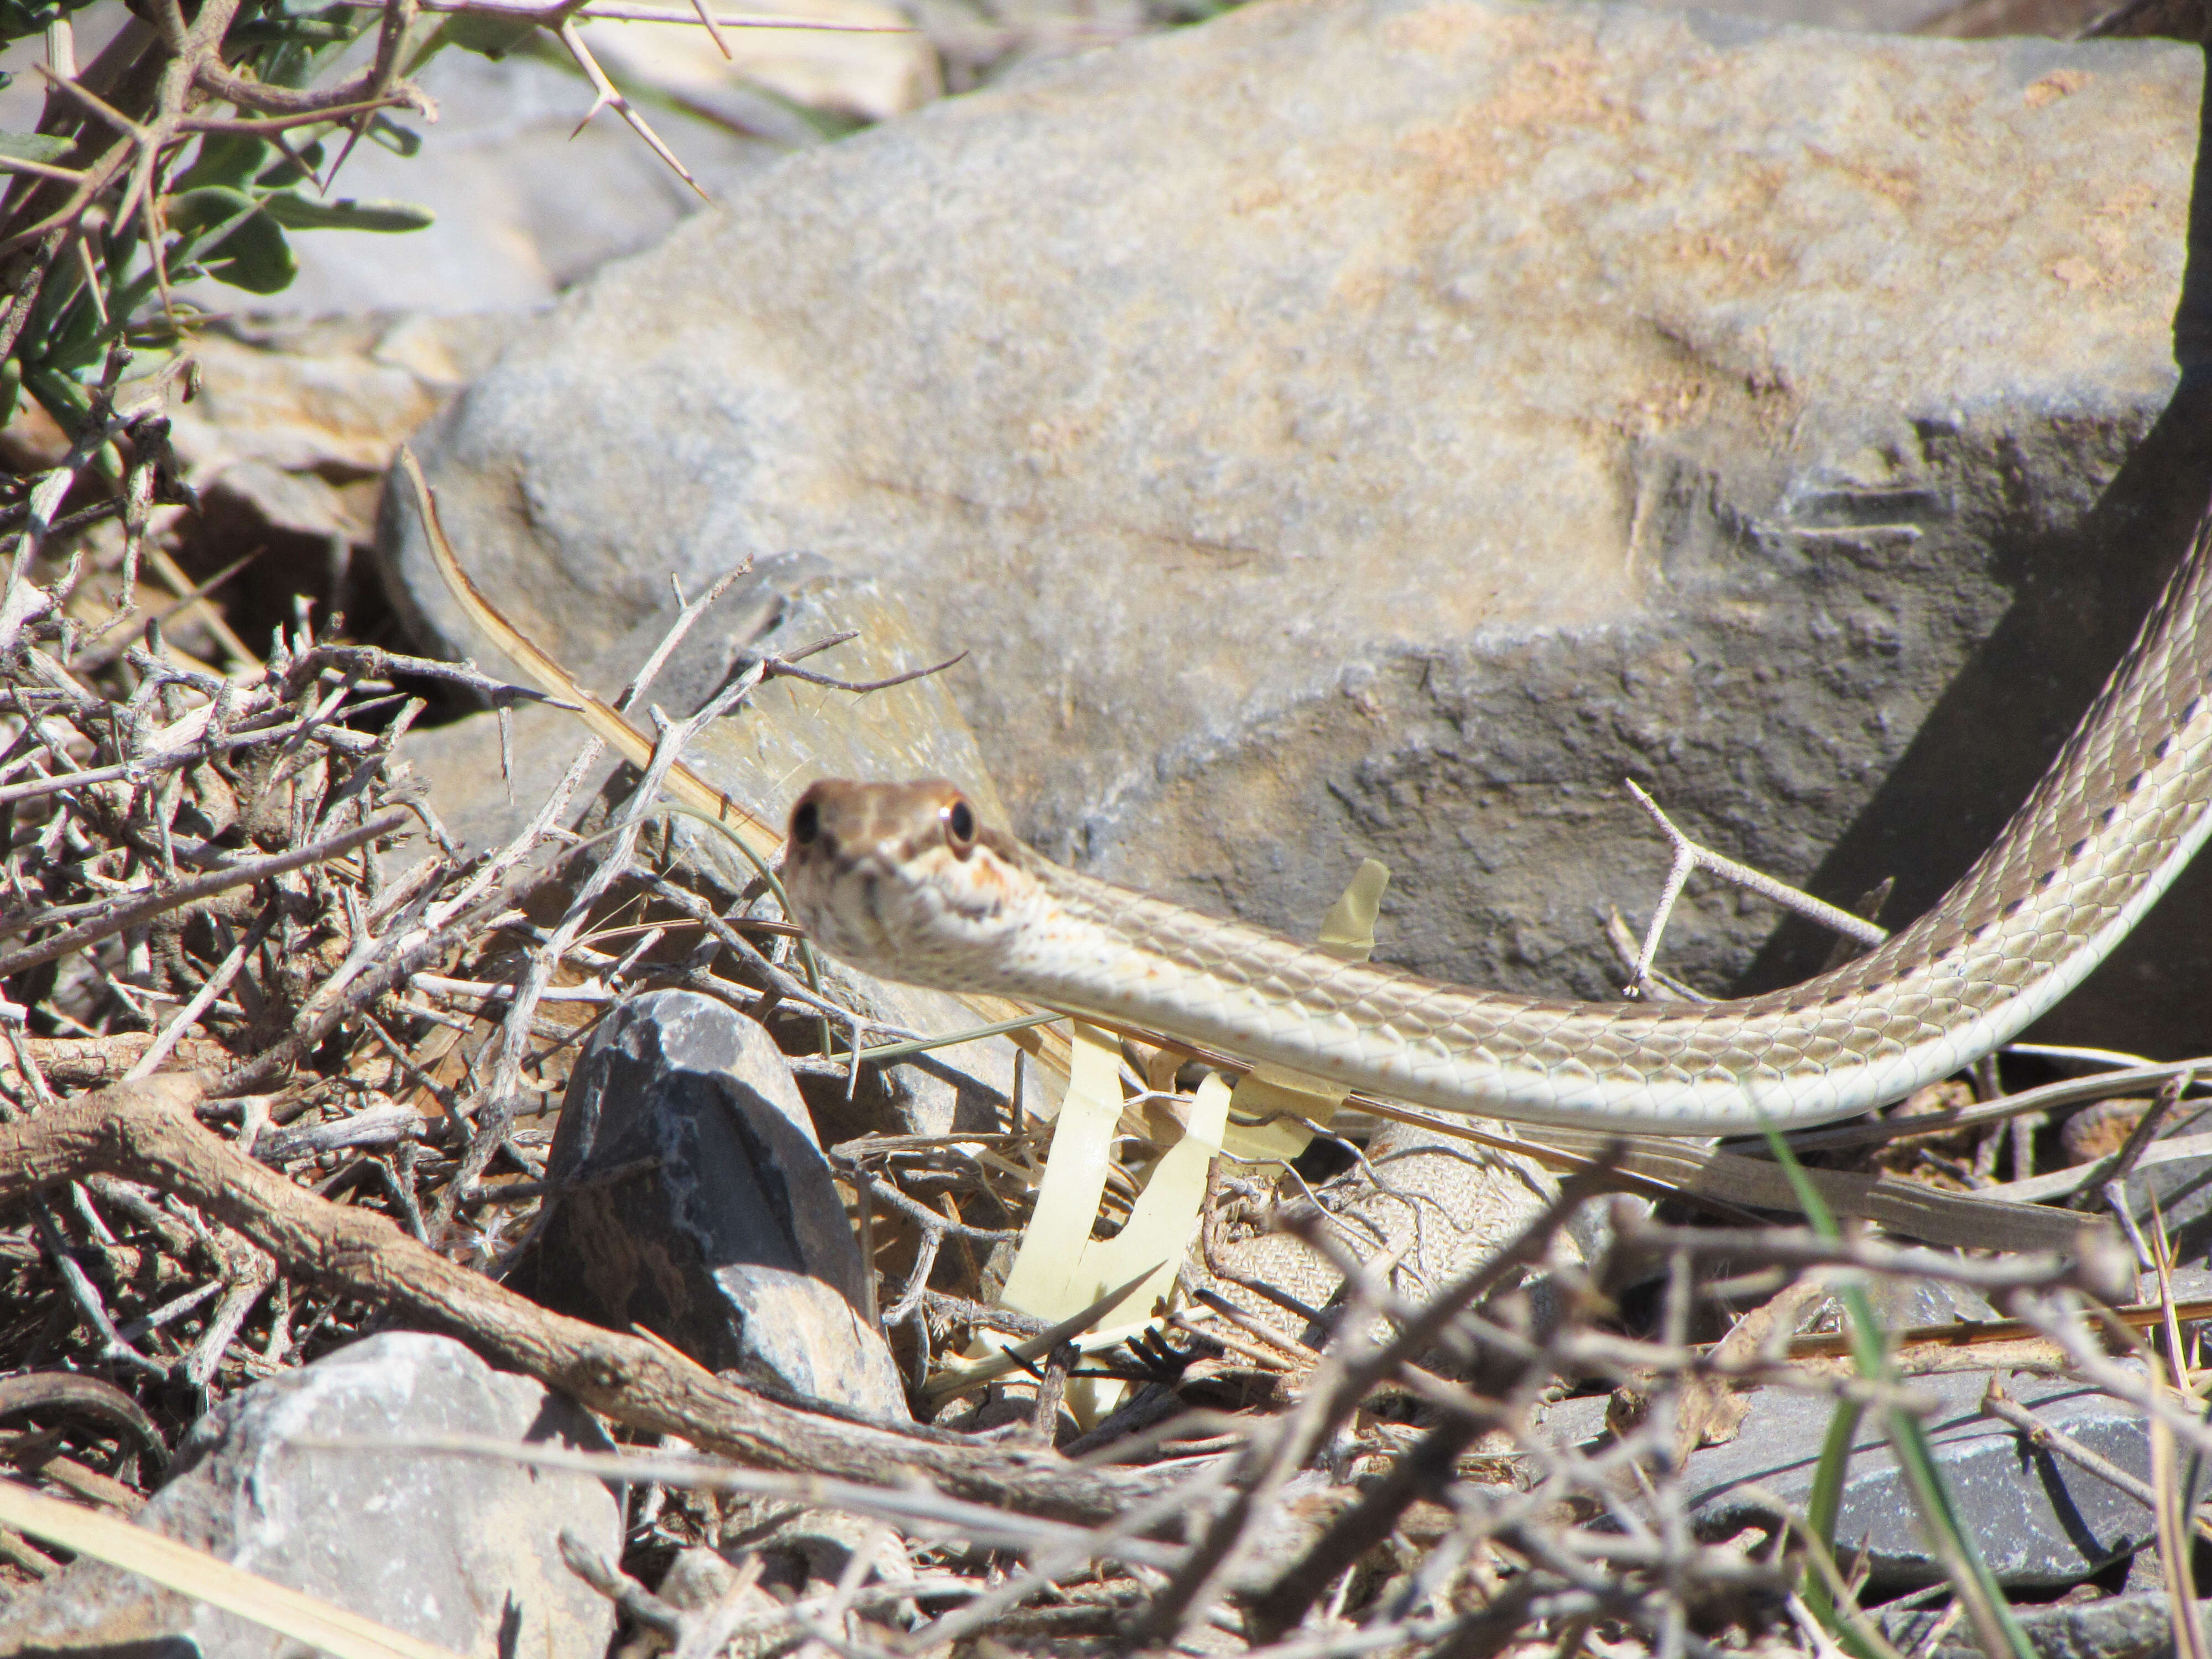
1383	426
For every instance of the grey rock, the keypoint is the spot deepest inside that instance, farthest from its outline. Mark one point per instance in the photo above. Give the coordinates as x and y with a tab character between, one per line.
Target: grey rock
760	753
1381	427
453	1551
2119	1627
1905	1305
695	1580
1574	1421
2182	1190
1882	17
798	1547
525	203
2193	1284
2178	1189
730	1242
1434	1208
702	1587
1898	1304
2039	1520
298	419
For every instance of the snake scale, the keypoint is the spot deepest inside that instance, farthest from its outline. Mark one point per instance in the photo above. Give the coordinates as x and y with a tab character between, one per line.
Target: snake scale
901	880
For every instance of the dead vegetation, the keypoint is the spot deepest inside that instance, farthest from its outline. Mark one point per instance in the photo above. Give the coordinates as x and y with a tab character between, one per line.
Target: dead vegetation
282	1063
279	1063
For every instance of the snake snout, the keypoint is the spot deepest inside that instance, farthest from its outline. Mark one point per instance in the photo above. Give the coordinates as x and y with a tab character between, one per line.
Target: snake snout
895	879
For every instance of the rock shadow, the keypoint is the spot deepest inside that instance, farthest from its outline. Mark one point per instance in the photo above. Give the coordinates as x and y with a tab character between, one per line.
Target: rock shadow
2080	596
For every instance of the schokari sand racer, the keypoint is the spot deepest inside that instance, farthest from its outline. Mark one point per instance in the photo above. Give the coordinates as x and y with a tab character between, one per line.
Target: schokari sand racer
901	880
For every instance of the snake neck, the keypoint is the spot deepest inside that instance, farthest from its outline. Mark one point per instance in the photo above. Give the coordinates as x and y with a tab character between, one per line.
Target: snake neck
2113	822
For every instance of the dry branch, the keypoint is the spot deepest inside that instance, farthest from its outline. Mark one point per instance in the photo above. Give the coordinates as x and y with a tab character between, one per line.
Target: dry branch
162	900
145	1132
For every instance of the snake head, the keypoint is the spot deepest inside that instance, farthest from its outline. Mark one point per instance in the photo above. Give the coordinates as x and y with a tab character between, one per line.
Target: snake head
901	879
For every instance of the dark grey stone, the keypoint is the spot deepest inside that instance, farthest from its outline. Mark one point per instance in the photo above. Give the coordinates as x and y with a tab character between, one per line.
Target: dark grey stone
2039	1520
1573	1422
731	1243
2183	1189
2119	1627
2189	1284
1905	1305
460	1552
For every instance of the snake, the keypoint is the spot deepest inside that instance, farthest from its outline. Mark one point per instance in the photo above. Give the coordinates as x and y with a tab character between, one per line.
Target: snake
906	882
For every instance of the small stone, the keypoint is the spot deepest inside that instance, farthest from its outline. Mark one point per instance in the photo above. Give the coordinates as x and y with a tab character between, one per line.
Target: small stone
699	1578
2132	1626
1907	1304
694	1200
1576	1420
2038	1519
2100	1128
803	1549
2182	1187
461	1552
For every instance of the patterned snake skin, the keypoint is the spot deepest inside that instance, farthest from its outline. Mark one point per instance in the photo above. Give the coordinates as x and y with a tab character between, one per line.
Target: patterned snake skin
900	880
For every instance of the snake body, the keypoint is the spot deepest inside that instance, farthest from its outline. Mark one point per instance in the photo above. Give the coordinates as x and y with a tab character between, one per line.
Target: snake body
902	881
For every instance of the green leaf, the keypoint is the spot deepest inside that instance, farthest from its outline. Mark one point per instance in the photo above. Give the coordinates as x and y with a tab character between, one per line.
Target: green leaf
491	37
250	249
297	212
63	397
34	146
400	141
225	158
1820	1512
286	173
19	18
290	63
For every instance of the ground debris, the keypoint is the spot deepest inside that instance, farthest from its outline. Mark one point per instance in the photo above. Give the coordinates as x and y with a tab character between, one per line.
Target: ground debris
280	1067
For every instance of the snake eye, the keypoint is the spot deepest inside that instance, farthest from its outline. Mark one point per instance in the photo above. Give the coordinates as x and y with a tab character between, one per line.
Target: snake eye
960	827
805	823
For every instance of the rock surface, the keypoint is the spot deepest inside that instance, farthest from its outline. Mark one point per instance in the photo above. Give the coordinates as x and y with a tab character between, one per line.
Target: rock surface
297	421
528	202
456	1552
2182	1192
697	1203
2039	1520
1383	427
2120	1627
